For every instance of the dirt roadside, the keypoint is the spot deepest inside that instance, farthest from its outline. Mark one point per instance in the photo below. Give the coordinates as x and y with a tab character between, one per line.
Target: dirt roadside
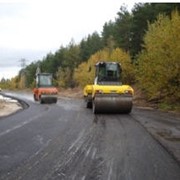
8	106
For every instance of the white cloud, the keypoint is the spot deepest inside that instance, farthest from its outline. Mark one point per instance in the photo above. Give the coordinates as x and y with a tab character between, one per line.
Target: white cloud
44	26
48	24
9	72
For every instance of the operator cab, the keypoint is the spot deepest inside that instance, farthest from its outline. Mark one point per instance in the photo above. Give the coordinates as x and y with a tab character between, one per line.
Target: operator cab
44	80
108	73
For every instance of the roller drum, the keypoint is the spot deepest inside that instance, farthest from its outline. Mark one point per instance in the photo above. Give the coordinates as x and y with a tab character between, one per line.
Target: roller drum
46	100
112	103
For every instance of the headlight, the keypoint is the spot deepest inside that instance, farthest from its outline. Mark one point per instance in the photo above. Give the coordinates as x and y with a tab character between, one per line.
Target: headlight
128	92
99	91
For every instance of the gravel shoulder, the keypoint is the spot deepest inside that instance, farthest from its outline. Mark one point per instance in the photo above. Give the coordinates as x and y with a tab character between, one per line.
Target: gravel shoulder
163	126
8	106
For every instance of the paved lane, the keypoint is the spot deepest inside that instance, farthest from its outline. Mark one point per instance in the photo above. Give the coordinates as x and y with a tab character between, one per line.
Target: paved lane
66	141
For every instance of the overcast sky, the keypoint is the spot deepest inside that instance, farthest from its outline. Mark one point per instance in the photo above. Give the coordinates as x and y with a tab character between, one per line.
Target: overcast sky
31	28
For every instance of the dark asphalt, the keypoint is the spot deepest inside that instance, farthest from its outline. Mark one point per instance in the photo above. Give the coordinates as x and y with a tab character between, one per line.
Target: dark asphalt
66	141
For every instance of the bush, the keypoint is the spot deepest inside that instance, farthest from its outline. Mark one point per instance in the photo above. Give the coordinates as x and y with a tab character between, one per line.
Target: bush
159	63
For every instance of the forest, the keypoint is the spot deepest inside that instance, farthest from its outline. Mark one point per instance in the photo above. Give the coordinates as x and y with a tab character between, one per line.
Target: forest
146	41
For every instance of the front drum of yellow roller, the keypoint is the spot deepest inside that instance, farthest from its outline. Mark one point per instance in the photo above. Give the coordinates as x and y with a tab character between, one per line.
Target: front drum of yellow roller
112	103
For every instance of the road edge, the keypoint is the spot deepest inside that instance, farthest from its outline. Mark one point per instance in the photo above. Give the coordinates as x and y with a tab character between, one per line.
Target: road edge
23	104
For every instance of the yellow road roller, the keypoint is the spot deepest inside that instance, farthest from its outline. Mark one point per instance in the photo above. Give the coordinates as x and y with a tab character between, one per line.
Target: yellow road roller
108	94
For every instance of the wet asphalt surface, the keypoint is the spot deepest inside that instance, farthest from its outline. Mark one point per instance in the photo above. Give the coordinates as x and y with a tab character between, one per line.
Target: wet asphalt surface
67	141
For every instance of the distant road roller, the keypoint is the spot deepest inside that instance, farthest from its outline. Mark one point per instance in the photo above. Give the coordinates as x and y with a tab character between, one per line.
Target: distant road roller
107	94
45	92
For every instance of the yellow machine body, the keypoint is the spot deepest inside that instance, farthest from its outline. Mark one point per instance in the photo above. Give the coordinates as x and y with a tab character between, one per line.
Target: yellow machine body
109	96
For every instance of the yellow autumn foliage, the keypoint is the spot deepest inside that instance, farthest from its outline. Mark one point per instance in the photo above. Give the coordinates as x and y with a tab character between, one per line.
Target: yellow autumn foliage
159	64
85	72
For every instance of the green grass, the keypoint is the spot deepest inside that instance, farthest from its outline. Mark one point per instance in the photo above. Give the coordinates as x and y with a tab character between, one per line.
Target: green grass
169	107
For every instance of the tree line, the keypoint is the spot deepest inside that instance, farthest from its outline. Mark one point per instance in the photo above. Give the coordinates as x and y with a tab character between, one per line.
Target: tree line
145	40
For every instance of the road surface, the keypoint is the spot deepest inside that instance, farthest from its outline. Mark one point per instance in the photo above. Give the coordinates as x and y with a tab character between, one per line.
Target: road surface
66	141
